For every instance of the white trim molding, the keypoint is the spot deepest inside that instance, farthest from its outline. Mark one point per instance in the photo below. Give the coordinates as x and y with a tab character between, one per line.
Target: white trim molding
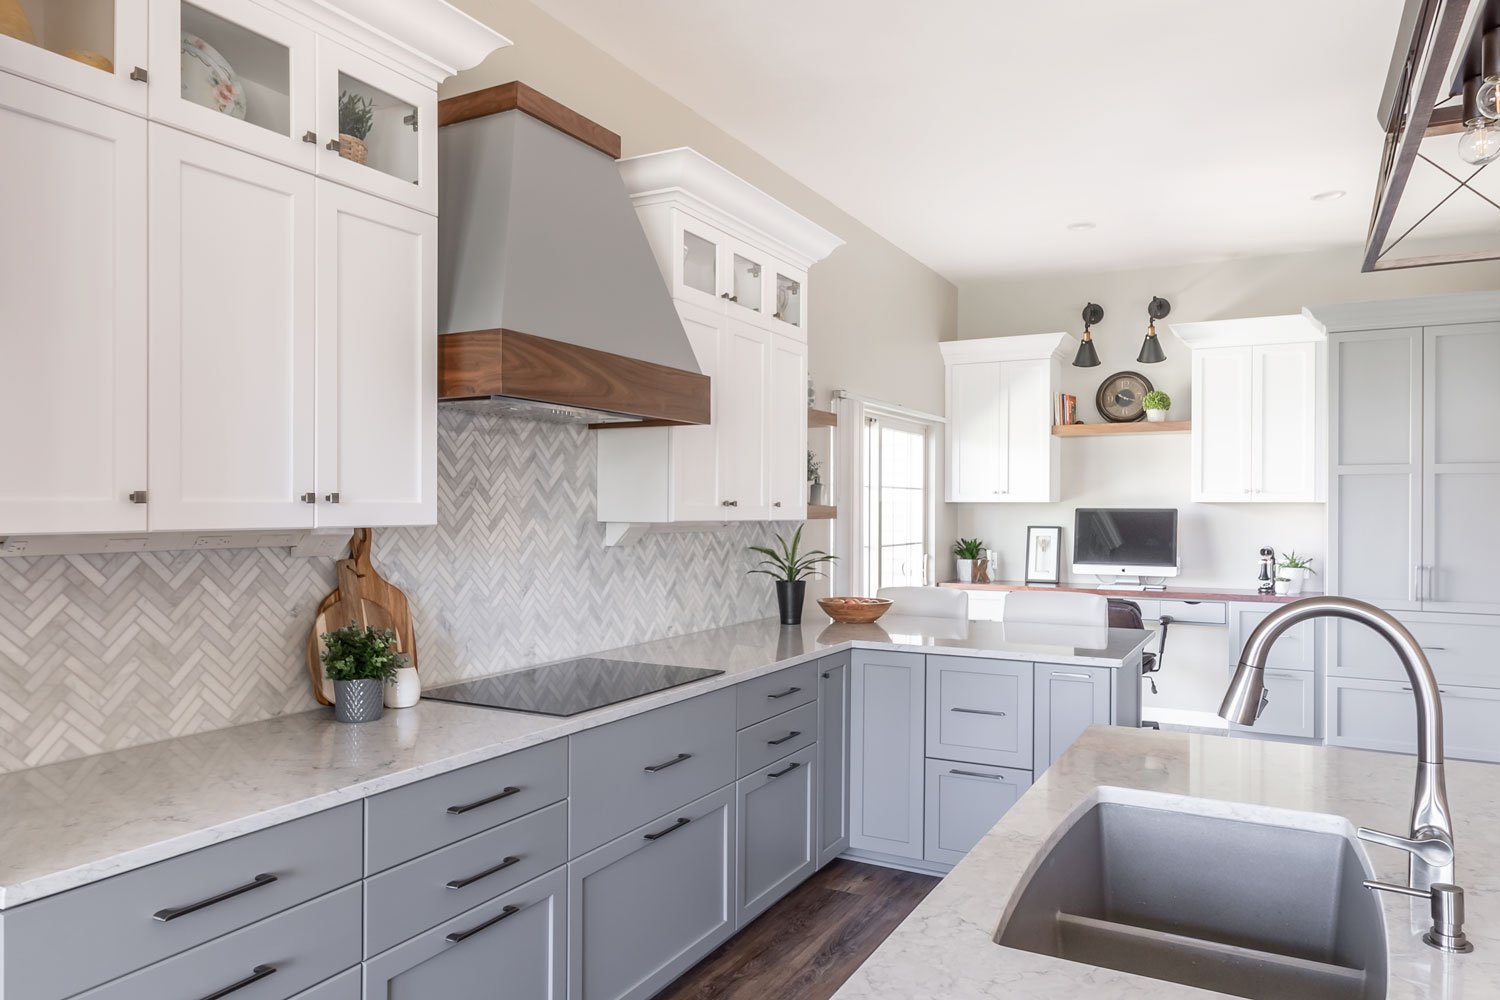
1432	310
1030	347
1256	331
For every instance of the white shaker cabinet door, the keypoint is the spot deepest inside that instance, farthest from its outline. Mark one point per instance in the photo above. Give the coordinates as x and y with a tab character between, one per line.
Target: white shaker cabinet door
73	215
1222	421
743	430
1030	450
232	341
376	361
1283	421
976	434
696	463
788	429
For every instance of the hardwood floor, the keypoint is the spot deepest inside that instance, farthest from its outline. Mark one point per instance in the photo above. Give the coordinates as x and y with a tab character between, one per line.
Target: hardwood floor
805	946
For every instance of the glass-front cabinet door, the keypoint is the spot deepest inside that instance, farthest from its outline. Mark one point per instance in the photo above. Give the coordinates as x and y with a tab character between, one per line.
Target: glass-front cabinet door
748	274
788	301
698	271
236	73
92	48
377	129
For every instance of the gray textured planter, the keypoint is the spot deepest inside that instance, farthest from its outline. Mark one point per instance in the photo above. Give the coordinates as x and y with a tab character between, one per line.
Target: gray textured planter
358	701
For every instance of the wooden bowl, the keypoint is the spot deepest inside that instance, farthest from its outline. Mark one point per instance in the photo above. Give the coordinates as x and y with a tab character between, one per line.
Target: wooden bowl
854	610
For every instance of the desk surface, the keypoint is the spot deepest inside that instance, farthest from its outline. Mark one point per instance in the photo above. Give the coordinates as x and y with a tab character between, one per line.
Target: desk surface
1170	594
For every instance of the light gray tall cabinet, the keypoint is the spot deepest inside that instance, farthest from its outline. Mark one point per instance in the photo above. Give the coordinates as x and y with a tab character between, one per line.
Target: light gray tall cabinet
833	757
886	753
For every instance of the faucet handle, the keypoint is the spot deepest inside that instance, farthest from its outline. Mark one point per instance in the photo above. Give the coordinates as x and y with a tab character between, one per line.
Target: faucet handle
1434	849
1447	899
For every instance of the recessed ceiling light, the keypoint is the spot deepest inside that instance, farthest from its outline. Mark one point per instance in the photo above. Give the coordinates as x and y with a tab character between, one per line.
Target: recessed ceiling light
1333	195
1080	227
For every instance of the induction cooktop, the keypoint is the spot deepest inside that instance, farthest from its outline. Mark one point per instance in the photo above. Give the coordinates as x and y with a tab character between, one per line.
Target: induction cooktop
569	687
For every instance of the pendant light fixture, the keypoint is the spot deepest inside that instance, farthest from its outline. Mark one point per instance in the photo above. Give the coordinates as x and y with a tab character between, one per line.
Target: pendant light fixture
1087	356
1151	351
1487	98
1480	142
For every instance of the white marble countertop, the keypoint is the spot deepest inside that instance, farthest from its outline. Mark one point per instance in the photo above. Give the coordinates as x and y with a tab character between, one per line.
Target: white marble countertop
69	824
945	948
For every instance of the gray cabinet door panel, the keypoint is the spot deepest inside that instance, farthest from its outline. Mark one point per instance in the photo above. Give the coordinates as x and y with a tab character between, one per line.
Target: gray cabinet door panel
513	946
420	894
964	801
344	986
410	821
626	773
886	752
833	757
1069	699
646	906
1296	649
777	844
1291	705
307	857
275	958
776	737
979	710
1381	715
1461	649
773	694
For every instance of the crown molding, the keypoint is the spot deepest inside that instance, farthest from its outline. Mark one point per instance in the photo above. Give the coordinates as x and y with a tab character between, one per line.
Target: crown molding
1298	328
1030	347
1432	310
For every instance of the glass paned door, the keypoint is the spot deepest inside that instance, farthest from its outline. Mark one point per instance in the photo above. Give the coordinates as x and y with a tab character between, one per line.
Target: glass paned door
92	48
788	304
377	129
747	282
700	263
897	500
698	271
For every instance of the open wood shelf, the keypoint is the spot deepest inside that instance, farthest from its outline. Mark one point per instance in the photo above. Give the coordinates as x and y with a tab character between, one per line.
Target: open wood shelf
822	418
1136	427
821	512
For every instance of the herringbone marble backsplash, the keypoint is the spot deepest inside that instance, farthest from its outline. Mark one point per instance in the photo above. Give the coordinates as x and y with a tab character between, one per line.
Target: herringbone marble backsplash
103	652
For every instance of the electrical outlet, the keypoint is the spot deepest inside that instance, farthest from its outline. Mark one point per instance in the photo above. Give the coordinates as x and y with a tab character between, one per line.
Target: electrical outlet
126	544
212	541
14	546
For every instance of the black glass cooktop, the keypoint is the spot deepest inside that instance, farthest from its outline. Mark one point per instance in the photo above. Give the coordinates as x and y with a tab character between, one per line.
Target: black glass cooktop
570	687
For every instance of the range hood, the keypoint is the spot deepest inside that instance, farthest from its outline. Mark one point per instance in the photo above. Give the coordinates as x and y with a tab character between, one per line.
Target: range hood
550	303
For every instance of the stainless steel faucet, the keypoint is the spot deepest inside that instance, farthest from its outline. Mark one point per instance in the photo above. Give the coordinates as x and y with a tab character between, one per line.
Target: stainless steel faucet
1430	844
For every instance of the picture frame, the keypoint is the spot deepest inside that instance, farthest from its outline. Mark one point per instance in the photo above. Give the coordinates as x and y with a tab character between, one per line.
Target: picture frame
1043	553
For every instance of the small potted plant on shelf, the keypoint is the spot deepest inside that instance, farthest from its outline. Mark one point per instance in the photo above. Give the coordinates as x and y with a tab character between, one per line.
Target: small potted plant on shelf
356	119
969	560
360	661
790	567
814	481
1296	569
1282	586
1156	404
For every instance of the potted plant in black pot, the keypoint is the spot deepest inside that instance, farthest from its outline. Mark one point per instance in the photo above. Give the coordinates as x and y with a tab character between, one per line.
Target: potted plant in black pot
360	661
790	567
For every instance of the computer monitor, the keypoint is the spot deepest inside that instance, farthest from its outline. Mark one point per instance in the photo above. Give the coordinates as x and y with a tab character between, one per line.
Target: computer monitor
1125	543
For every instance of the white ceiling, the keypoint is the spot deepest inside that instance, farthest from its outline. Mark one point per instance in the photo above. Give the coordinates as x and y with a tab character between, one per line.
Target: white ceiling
971	133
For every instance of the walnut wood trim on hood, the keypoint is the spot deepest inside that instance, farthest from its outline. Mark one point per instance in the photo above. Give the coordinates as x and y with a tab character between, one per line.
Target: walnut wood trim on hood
516	96
484	363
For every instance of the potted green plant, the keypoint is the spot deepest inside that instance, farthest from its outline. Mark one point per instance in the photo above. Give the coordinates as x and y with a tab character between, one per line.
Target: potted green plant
790	567
360	661
356	119
1156	404
1296	569
814	481
969	559
1282	586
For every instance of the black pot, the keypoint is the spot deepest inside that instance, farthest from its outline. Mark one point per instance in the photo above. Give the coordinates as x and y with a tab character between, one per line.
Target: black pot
789	597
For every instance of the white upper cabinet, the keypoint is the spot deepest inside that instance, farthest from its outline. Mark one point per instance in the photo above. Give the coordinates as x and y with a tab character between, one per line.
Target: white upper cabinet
91	48
1259	434
73	213
787	447
743	421
1001	395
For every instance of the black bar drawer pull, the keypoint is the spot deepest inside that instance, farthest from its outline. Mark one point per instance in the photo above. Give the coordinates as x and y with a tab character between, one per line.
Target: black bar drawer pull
978	711
504	793
256	975
789	736
682	821
460	883
977	774
653	768
783	694
458	936
785	770
173	912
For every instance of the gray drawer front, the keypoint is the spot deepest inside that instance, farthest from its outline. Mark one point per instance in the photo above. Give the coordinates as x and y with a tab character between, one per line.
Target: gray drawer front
407	822
415	896
964	801
308	857
304	946
776	737
521	954
642	911
979	710
612	790
773	694
344	986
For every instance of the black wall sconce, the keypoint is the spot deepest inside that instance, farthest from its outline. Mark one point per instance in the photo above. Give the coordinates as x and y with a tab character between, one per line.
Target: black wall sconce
1087	356
1151	351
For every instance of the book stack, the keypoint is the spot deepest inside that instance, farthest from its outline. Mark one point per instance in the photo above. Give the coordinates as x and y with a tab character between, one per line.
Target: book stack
1067	409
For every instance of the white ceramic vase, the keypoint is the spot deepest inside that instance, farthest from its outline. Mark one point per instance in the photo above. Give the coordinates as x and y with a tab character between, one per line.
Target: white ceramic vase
965	569
405	690
1282	587
1156	416
1296	579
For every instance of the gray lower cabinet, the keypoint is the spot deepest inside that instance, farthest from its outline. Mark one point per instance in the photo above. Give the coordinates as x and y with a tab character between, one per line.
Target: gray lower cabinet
344	986
1382	715
646	906
1069	699
886	753
979	710
963	802
273	959
776	810
1291	705
512	946
833	757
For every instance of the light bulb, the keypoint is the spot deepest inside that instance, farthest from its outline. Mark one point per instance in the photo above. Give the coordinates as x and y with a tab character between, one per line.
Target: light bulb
1480	143
1488	97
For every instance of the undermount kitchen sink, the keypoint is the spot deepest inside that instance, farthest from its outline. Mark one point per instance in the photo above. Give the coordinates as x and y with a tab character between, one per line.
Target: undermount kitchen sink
1244	907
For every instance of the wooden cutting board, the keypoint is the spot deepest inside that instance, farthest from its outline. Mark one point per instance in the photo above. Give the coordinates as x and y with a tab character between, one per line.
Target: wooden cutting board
365	597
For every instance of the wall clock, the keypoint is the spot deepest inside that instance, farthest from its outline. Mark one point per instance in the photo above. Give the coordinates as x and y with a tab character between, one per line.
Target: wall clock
1121	396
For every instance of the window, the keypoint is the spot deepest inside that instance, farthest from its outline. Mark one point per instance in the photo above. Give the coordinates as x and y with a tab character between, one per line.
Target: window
897	503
